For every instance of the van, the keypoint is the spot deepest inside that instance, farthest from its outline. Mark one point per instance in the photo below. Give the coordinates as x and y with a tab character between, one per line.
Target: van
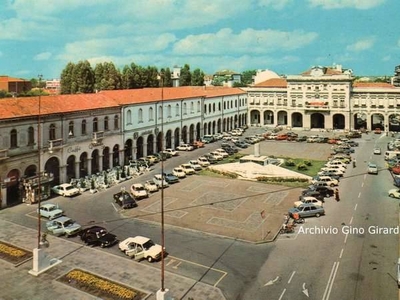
392	154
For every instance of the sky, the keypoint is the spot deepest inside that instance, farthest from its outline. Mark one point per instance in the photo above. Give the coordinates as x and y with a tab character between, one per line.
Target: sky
285	36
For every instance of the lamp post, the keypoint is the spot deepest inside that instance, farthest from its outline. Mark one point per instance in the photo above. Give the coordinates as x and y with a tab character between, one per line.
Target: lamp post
39	193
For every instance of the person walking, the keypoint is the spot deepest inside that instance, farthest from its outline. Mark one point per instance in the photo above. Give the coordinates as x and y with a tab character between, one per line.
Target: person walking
337	198
354	162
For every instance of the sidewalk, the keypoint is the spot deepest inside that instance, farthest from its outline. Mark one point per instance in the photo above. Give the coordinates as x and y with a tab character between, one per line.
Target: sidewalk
16	283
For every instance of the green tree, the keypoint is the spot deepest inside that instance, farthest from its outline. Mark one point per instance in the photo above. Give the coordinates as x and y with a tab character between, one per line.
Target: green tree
83	78
247	76
197	78
127	78
66	78
185	77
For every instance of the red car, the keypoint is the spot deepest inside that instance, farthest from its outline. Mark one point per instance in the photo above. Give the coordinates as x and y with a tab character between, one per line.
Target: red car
281	137
378	131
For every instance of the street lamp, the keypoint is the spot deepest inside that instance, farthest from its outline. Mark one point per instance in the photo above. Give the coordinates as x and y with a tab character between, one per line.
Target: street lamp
39	193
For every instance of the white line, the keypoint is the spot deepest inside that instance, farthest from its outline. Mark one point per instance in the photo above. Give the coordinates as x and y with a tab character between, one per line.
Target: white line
345	239
355	207
351	220
365	176
359	194
291	276
114	206
362	184
333	279
341	253
283	293
329	281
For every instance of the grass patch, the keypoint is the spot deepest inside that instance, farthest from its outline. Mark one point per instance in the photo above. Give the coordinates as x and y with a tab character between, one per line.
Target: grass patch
304	166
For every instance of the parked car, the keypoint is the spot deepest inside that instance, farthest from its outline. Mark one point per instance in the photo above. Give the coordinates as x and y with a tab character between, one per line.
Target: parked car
63	226
203	161
394	193
187	168
195	165
312	139
50	211
302	138
308	199
331	172
307	210
153	159
151	186
198	144
98	236
335	162
314	194
160	181
178	172
221	152
353	134
216	155
171	151
138	191
378	131
65	190
326	191
171	178
372	168
140	247
241	144
125	200
352	143
184	147
327	179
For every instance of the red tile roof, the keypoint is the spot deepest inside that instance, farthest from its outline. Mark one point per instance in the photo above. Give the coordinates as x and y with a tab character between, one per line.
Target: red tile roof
29	106
359	84
11	79
273	83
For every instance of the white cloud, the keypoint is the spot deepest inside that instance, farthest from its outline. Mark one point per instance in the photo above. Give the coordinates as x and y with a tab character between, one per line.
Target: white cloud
361	45
278	5
337	4
42	56
226	41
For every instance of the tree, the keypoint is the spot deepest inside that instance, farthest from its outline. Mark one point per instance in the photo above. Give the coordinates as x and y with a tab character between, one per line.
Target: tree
127	78
247	76
167	77
83	78
197	78
66	78
185	77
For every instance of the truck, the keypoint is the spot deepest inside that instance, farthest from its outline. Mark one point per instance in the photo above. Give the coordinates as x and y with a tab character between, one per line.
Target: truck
392	154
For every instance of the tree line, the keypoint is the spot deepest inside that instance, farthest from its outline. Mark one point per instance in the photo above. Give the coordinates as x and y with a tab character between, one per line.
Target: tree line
82	78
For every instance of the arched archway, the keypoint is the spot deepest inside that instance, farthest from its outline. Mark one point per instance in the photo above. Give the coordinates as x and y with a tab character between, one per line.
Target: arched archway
219	129
139	147
282	117
297	119
95	161
338	121
106	158
83	165
115	155
52	166
30	171
191	133
168	140
127	151
160	144
360	120
184	134
268	117
198	132
394	122
317	120
377	121
13	191
254	117
150	144
176	138
71	167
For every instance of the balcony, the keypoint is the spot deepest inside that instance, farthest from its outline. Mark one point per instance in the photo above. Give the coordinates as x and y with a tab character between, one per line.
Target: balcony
3	154
97	138
55	145
317	106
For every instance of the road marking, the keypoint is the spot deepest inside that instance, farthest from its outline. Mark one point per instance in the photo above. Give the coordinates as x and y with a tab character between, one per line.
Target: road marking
355	207
345	239
365	176
291	276
351	220
271	282
362	184
177	265
283	293
305	291
331	279
359	195
170	262
341	253
114	207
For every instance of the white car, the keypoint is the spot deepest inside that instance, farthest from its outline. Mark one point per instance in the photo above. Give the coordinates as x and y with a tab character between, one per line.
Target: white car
184	147
372	168
217	155
222	152
50	211
187	168
138	191
160	181
377	151
171	151
329	172
336	162
140	247
151	186
66	190
330	181
203	162
178	172
308	200
195	165
394	193
63	225
334	167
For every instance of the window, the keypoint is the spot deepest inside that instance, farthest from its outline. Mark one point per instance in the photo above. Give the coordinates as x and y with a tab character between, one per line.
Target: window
219	106
71	129
140	116
31	136
184	109
177	110
191	107
129	116
13	139
95	125
83	127
209	107
151	114
106	124
205	108
169	111
213	107
198	106
52	132
160	112
116	122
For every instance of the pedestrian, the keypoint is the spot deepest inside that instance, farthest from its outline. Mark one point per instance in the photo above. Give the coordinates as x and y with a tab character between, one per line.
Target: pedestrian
354	162
337	198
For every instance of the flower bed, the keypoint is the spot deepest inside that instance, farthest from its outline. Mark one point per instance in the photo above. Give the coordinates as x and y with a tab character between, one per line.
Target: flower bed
100	287
13	254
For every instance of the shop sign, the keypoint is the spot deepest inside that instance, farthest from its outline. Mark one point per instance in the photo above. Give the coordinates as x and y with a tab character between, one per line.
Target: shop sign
74	149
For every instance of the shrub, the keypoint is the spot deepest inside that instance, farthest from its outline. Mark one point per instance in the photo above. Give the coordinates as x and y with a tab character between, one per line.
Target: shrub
302	167
307	163
289	163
